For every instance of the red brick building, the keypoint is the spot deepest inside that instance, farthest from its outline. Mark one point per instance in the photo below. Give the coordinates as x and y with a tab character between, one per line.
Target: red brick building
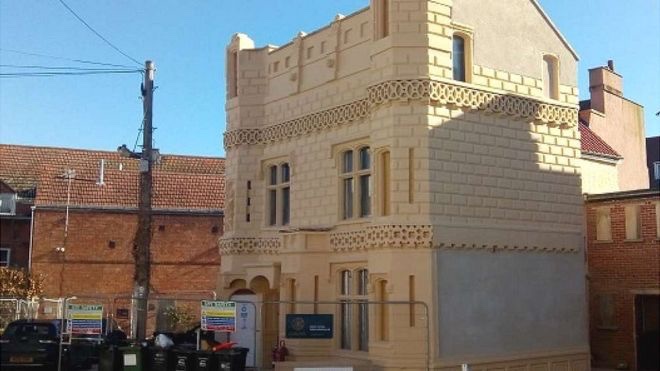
84	223
623	240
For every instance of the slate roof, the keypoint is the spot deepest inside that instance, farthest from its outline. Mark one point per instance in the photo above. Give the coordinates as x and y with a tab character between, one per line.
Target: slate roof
592	144
180	182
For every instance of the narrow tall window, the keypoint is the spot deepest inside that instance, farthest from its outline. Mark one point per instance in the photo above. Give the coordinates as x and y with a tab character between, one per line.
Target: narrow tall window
458	57
279	195
603	224
354	309
411	299
345	309
356	202
286	190
550	77
633	225
383	192
383	312
363	310
233	74
365	182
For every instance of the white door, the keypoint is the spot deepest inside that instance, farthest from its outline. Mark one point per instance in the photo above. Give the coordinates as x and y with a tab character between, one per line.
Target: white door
245	335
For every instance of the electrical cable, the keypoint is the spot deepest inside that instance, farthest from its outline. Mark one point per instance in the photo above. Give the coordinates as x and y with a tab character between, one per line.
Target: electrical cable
64	58
51	74
98	34
56	67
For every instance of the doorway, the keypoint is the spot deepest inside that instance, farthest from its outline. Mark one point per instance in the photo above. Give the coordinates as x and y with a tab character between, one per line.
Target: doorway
246	334
647	334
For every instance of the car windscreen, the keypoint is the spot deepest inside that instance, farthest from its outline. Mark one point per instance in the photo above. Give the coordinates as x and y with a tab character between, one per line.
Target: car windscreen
33	330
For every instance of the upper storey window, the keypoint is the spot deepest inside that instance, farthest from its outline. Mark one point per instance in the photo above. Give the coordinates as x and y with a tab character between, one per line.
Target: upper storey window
462	56
356	183
381	9
278	195
458	57
8	203
550	77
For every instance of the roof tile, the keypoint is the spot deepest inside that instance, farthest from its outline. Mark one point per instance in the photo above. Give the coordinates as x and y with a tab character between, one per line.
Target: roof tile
180	182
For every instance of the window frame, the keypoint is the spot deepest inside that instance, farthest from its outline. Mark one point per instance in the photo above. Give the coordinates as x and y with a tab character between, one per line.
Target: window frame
279	214
8	261
353	209
12	197
465	34
353	297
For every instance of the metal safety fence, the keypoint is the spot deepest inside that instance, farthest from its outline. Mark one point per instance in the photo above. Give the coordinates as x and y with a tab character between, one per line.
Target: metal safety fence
310	329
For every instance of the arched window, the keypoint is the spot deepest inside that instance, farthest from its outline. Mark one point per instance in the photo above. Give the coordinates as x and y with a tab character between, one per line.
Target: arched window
458	57
462	56
550	77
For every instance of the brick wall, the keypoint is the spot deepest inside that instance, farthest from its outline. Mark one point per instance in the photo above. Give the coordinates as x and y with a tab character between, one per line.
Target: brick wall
619	269
98	261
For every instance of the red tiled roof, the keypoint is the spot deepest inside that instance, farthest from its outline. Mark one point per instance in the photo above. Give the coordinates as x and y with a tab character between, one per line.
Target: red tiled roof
592	144
180	182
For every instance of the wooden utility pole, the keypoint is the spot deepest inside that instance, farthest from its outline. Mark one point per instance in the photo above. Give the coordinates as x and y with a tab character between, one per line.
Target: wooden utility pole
141	247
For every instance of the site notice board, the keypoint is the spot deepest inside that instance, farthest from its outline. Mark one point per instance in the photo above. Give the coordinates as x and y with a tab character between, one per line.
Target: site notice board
85	319
218	316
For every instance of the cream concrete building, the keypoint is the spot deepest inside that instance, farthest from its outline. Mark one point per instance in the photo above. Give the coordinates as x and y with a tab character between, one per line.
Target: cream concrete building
419	151
618	163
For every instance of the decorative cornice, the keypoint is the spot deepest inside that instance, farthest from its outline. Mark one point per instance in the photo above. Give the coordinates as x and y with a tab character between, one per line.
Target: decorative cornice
326	119
441	92
249	245
383	236
494	248
471	97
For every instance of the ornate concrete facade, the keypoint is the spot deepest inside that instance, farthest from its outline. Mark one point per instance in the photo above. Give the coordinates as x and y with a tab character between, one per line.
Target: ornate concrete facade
356	158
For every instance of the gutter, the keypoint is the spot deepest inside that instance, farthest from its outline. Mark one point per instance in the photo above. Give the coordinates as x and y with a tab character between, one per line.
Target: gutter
32	208
133	210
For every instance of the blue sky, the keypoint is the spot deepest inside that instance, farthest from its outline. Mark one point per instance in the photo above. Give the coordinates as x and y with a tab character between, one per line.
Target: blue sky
186	39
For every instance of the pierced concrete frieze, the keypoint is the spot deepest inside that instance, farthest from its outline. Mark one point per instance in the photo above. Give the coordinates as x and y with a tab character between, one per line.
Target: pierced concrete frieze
473	98
383	236
440	92
249	245
493	248
317	121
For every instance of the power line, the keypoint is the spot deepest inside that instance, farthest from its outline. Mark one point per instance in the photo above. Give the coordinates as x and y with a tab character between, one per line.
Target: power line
64	58
98	34
51	74
55	67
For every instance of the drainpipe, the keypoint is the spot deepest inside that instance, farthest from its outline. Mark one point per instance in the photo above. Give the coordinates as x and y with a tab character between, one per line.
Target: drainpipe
31	238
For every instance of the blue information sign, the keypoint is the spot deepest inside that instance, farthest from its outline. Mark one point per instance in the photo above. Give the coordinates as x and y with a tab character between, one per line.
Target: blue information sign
309	326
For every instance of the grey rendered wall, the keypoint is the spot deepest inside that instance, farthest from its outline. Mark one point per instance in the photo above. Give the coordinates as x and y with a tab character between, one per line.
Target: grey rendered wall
493	304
